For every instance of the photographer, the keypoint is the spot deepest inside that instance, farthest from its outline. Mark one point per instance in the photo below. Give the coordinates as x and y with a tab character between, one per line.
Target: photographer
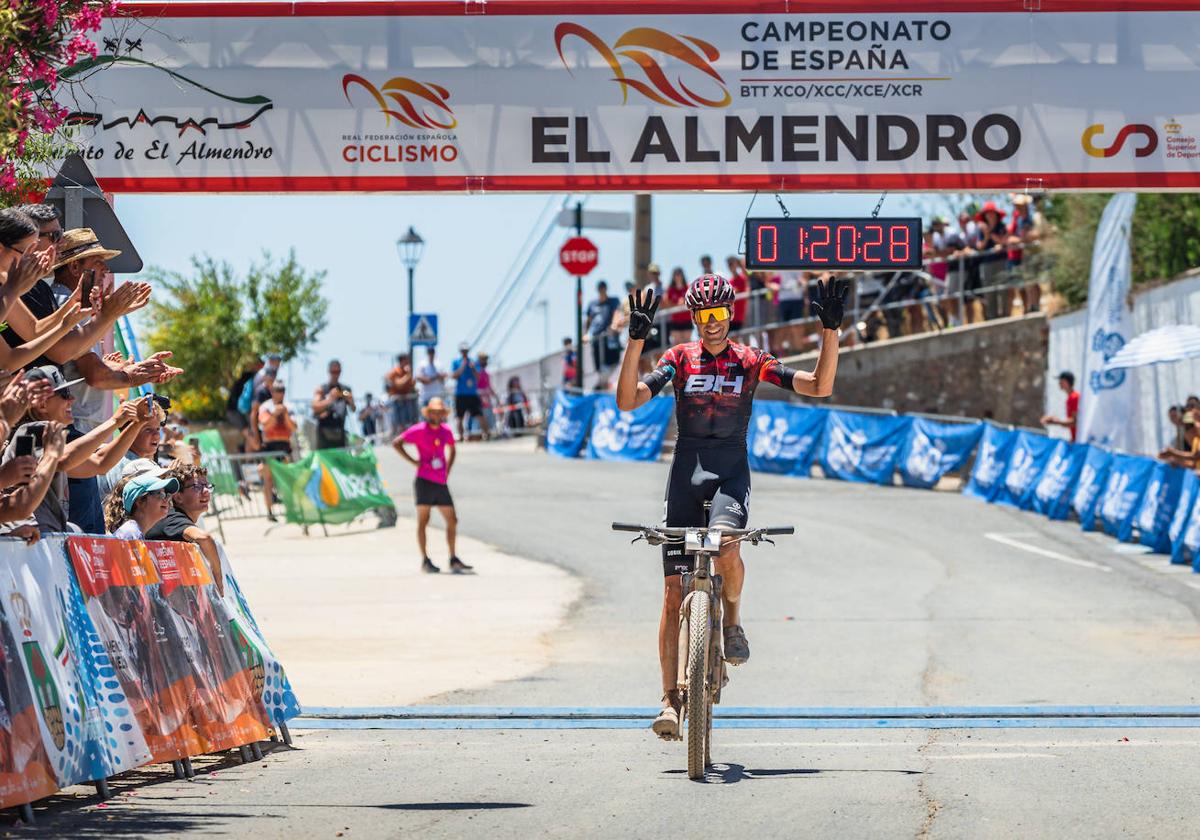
331	402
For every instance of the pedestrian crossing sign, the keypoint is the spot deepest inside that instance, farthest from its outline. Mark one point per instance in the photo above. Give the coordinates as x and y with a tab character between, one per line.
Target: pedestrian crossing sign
422	329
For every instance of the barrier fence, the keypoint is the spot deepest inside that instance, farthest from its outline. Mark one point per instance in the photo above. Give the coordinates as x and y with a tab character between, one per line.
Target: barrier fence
116	654
1130	497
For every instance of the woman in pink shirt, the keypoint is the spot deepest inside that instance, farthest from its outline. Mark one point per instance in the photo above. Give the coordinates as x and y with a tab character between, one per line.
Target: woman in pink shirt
434	443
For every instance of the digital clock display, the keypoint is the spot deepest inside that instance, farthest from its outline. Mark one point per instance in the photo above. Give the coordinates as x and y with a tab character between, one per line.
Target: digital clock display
867	244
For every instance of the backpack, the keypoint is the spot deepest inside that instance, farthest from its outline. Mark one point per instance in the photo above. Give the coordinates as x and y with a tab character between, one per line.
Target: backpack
246	400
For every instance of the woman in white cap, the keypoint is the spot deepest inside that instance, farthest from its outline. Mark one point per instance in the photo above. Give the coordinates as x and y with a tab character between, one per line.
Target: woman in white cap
138	503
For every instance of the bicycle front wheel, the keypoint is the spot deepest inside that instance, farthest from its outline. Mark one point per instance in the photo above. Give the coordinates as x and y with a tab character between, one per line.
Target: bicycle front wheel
697	687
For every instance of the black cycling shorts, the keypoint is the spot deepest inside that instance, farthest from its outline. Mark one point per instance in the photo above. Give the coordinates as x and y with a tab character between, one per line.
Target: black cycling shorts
466	405
432	493
719	475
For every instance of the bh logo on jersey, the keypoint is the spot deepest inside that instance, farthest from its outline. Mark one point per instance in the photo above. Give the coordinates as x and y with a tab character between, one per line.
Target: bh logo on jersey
707	383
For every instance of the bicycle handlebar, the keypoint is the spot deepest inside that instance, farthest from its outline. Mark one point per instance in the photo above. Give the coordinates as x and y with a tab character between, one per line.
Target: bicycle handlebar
673	531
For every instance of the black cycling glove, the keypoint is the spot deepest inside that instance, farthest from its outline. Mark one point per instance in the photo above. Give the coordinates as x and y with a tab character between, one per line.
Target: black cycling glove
830	302
642	306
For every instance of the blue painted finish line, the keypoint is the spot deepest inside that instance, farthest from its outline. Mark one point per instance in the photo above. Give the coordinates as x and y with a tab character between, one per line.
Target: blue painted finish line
751	717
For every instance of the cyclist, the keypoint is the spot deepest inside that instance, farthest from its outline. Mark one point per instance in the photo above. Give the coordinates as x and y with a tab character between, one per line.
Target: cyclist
714	381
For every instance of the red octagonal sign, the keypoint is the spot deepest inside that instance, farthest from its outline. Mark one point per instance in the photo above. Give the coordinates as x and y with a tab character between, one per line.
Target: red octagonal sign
578	255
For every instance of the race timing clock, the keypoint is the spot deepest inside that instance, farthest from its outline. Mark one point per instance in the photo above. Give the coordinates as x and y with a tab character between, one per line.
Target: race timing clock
832	244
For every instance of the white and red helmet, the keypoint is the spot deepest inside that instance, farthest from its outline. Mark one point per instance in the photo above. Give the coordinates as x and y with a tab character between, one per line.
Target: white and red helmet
709	290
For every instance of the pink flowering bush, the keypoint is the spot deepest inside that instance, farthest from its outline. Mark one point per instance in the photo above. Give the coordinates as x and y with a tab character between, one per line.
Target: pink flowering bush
37	38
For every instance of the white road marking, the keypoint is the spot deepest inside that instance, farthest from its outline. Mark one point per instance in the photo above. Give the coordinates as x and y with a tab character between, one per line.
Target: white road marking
1008	539
912	744
1195	584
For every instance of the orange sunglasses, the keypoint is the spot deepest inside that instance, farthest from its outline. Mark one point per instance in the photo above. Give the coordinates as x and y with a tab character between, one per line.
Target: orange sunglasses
713	313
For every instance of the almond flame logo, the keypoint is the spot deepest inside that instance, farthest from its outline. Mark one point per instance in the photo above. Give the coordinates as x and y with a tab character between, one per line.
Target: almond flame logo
400	106
657	87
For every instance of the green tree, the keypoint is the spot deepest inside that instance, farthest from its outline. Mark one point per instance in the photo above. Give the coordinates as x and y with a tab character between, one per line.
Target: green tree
1165	239
216	322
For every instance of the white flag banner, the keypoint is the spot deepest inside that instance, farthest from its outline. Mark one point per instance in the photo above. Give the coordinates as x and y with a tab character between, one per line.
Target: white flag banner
1106	414
641	96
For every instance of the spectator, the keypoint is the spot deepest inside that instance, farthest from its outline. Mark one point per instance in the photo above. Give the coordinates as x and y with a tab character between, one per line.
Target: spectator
792	288
570	363
86	455
137	503
600	317
331	403
741	286
1022	232
517	403
368	417
991	241
24	479
465	374
487	394
401	389
680	321
277	429
1188	454
435	458
141	457
262	396
241	393
188	504
431	382
1066	381
1175	418
274	362
655	340
706	264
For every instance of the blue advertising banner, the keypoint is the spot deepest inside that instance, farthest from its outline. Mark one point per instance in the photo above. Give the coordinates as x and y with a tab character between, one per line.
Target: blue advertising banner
628	435
862	447
783	437
934	449
1184	509
991	462
1127	480
1153	517
1028	459
1091	481
1051	493
567	426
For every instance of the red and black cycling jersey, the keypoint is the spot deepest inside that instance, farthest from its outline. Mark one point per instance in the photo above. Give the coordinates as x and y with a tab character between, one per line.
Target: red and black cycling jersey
714	394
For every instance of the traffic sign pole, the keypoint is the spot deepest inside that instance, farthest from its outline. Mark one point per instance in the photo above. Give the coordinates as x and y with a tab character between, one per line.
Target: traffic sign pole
579	306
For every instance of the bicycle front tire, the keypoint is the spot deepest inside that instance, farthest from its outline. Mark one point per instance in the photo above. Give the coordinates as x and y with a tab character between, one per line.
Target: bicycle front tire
697	677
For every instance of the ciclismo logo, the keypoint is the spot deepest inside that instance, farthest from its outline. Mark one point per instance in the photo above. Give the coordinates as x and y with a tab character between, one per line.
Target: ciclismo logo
635	44
421	106
1147	133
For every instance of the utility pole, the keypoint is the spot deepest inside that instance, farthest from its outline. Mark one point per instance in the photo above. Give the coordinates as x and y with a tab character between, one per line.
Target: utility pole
642	245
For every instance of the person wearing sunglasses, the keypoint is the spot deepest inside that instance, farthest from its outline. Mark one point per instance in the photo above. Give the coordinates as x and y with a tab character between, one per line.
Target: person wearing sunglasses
188	504
714	382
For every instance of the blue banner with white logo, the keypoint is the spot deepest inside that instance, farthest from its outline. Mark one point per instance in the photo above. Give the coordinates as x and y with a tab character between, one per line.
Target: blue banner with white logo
568	423
1091	481
628	435
862	447
1051	493
1028	458
1153	516
1189	493
1128	478
991	462
934	449
783	437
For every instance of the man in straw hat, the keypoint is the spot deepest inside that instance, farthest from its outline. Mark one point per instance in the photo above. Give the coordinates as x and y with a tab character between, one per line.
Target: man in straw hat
435	456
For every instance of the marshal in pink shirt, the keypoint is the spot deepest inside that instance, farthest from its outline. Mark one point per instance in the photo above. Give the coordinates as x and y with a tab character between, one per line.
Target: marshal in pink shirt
433	449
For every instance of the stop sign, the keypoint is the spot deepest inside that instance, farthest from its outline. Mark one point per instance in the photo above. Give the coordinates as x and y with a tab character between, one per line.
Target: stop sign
578	255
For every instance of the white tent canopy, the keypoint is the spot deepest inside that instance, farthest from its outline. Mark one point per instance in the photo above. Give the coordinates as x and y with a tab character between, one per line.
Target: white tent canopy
1165	344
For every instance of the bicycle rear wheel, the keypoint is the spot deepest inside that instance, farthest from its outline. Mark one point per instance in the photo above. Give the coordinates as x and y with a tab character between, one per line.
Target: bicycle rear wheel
697	684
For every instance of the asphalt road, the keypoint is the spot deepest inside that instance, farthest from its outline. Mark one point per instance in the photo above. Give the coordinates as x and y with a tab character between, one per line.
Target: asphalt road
886	597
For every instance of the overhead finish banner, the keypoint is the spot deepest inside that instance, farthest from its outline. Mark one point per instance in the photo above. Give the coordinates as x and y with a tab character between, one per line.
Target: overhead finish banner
600	95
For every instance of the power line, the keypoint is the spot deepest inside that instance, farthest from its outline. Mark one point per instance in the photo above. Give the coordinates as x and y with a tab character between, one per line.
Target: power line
525	307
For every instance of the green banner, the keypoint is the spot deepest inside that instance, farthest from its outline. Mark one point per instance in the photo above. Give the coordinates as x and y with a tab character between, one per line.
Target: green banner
215	458
329	486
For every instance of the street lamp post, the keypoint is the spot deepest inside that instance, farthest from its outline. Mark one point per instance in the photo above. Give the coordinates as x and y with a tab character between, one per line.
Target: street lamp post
410	247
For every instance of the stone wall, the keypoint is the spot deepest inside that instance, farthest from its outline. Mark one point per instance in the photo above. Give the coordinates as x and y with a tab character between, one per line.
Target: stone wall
995	369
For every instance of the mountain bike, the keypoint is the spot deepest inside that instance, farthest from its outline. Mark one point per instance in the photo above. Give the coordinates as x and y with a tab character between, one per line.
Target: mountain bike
701	642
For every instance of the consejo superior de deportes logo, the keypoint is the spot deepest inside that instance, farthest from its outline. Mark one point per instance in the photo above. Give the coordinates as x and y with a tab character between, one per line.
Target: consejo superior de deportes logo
1149	140
636	47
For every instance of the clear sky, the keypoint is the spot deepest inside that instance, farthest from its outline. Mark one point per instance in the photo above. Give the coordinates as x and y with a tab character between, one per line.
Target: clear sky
471	241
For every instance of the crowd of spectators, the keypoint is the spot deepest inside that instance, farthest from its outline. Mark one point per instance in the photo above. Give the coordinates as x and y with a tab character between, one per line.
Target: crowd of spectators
85	451
1184	449
974	269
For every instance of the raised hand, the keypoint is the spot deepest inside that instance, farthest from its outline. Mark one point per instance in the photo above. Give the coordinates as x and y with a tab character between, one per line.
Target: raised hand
54	441
129	297
17	471
14	399
642	306
31	268
830	302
